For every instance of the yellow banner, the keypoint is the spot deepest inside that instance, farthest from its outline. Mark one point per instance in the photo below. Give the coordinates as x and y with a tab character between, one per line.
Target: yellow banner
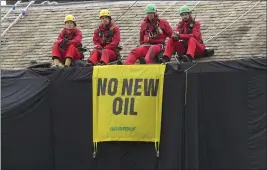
127	102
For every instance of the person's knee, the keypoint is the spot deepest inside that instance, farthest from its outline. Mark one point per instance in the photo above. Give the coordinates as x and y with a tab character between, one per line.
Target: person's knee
170	41
130	59
131	56
56	45
191	39
72	47
155	49
105	53
56	49
105	50
152	48
133	51
94	53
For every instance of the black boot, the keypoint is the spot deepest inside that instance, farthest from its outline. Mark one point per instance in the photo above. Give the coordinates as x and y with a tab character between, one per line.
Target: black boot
119	62
89	64
164	59
101	63
186	58
142	60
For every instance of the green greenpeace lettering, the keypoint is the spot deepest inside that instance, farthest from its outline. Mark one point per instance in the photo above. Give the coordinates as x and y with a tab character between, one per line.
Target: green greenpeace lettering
122	128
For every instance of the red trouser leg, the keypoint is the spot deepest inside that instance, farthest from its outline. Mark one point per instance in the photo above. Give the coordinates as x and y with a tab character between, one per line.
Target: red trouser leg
108	55
152	52
169	49
95	56
73	53
136	53
58	52
174	46
195	48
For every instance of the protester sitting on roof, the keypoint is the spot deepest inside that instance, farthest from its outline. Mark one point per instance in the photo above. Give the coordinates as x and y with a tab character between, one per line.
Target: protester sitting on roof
187	41
65	49
106	40
153	33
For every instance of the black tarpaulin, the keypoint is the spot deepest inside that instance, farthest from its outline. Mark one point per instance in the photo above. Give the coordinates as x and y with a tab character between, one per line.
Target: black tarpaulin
26	121
72	113
226	103
214	117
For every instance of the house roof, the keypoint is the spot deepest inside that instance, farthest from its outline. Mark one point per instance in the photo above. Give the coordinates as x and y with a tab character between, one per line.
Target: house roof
230	27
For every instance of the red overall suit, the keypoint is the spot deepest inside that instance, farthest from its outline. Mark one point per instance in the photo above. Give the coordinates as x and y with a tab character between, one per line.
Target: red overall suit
190	41
106	40
68	50
152	38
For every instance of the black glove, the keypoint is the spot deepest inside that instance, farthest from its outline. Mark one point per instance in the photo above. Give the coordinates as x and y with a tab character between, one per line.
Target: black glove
119	48
82	49
65	41
176	36
89	64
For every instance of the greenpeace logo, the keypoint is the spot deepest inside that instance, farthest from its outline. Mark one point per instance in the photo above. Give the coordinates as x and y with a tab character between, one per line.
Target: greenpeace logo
122	128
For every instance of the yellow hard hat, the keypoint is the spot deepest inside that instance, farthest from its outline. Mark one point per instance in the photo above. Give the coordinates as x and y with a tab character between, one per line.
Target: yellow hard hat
69	18
104	12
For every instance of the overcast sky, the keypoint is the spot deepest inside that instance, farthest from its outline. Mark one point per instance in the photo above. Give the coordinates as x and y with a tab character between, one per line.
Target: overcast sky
3	2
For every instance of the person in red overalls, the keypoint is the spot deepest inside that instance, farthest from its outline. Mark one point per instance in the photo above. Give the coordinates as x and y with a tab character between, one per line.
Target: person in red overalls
106	40
187	41
65	49
153	34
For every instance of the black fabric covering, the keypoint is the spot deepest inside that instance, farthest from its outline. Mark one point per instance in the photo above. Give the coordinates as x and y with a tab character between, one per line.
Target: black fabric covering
26	121
227	124
214	117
